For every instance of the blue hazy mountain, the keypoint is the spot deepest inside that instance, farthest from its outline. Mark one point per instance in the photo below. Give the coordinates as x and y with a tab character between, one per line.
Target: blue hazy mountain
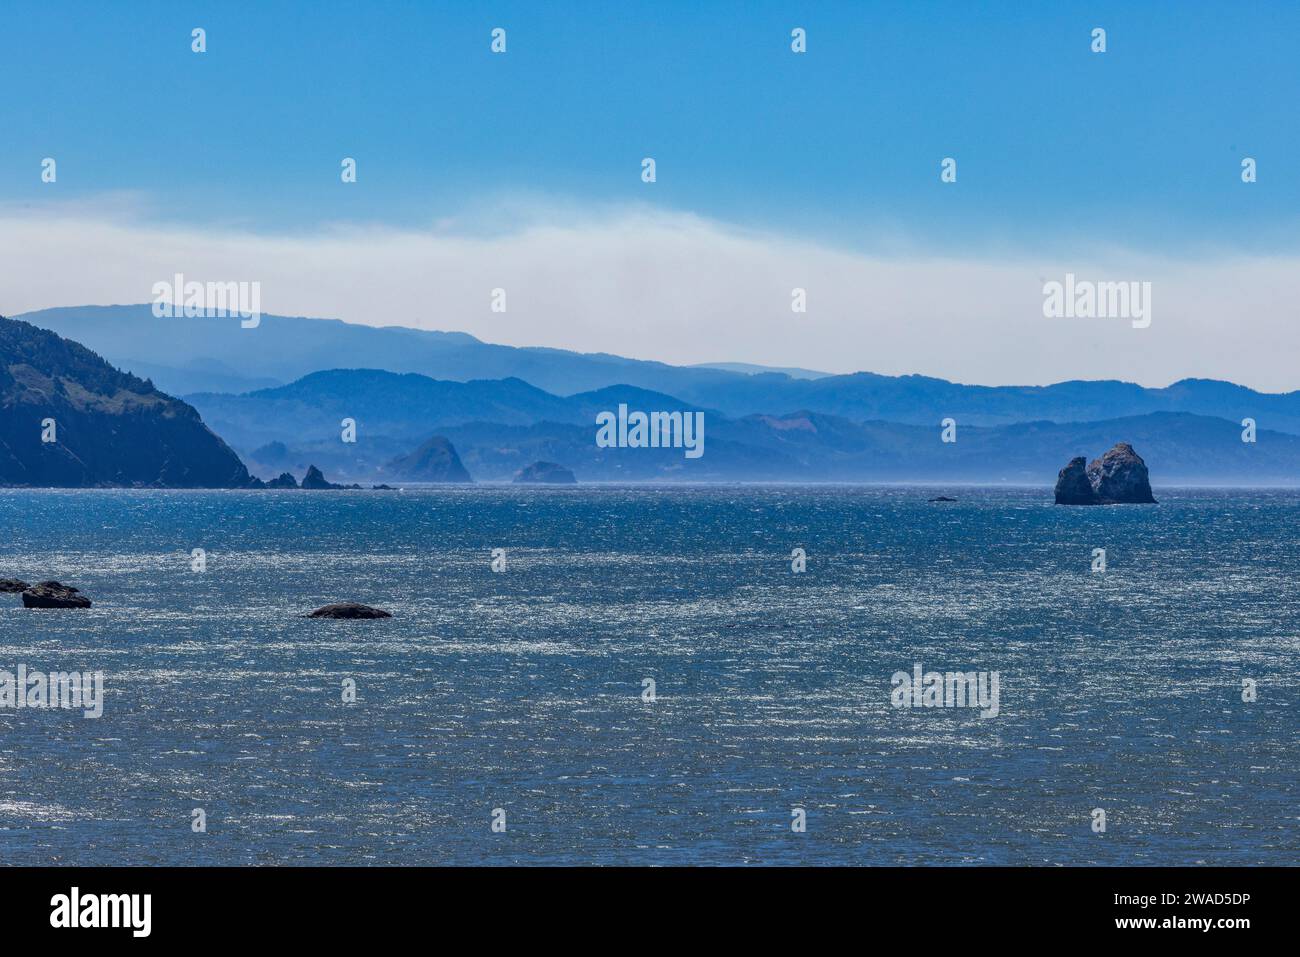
280	429
403	406
182	355
802	446
500	426
185	356
748	368
925	400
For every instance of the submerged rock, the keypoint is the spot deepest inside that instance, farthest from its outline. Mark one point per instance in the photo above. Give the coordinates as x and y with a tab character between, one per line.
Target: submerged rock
348	609
54	595
545	473
10	585
1117	478
942	498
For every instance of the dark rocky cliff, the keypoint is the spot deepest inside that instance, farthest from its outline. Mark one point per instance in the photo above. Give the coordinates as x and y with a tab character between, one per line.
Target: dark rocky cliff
109	428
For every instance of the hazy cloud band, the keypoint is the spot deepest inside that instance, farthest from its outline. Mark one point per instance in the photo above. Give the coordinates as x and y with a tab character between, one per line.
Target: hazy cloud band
683	289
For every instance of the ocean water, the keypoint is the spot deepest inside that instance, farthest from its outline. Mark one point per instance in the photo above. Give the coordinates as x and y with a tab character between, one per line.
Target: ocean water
523	690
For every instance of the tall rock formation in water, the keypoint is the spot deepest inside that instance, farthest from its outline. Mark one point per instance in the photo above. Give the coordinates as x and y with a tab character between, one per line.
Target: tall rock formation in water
1117	478
434	461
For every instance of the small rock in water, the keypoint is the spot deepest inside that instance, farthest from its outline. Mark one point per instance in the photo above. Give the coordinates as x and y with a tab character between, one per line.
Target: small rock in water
12	585
348	609
54	595
942	498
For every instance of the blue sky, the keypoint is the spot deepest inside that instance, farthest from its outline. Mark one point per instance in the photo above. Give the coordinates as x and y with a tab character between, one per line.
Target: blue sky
1055	144
775	170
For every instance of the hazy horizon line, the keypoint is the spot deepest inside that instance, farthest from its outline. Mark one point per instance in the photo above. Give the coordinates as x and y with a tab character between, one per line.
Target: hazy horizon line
681	288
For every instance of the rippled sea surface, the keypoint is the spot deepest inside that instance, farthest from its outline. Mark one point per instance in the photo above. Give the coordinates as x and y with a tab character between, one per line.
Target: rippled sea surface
523	690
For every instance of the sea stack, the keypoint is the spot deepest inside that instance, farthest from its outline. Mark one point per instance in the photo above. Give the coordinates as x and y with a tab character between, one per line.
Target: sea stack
545	473
1072	485
1117	478
1120	476
434	461
315	480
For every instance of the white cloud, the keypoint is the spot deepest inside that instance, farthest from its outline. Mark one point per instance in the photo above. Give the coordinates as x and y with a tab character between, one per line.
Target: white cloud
675	287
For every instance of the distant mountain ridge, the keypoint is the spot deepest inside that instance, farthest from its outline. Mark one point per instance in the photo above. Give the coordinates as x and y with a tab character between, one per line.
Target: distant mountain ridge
115	429
404	407
188	356
499	427
182	354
